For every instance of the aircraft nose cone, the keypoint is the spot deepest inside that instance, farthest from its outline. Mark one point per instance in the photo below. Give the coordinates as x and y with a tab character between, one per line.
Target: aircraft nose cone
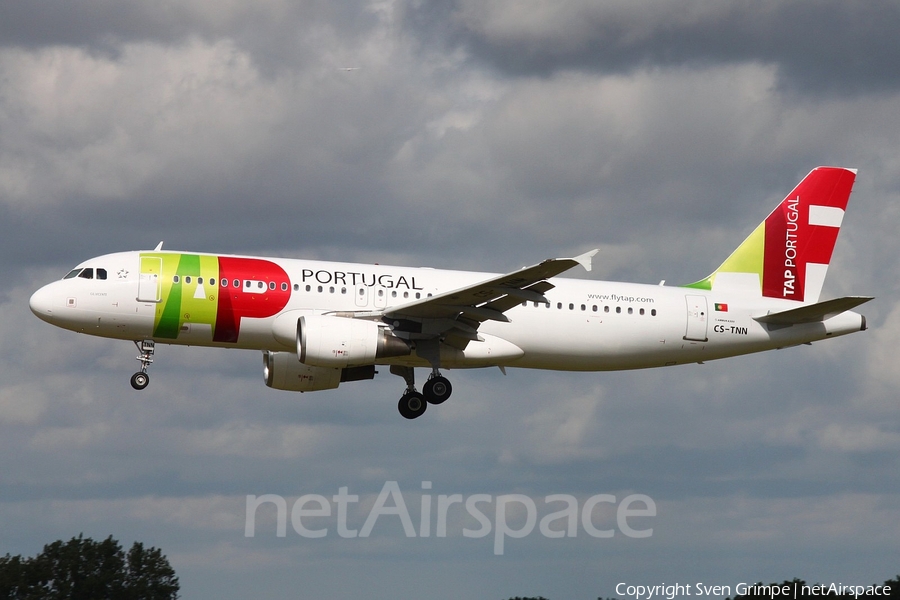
41	303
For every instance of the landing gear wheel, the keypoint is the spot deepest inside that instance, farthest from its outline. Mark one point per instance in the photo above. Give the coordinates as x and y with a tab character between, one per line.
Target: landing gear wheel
412	405
437	389
140	380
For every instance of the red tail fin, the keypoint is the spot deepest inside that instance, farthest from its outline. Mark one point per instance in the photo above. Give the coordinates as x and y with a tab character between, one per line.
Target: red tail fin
787	255
801	233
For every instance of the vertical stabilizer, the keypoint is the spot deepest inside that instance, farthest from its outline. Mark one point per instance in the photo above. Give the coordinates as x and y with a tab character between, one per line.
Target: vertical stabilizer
787	255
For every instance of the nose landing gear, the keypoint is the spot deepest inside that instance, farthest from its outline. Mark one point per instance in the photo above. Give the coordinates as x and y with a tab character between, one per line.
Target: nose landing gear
140	380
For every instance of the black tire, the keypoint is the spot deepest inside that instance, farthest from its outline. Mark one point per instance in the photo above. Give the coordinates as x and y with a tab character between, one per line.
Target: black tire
437	389
412	405
140	380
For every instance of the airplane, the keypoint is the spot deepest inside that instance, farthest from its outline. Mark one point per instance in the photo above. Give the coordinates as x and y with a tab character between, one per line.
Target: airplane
320	324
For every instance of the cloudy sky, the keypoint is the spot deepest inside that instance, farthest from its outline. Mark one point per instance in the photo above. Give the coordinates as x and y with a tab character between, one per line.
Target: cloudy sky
474	134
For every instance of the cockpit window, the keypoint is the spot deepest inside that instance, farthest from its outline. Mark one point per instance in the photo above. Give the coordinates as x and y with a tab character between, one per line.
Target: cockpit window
87	273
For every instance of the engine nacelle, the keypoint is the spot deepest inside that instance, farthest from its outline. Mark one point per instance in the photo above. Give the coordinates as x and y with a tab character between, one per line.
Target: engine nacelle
282	371
325	341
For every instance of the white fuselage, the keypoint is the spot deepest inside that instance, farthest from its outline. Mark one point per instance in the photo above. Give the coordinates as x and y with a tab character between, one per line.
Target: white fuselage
588	325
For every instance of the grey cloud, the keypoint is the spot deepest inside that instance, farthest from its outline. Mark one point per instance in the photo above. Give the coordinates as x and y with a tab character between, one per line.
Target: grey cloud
844	49
276	33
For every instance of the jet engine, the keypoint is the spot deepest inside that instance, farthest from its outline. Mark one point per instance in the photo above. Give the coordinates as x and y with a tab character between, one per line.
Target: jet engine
325	341
282	371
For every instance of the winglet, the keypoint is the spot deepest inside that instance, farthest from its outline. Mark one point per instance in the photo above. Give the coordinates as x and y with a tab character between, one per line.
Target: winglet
159	247
585	259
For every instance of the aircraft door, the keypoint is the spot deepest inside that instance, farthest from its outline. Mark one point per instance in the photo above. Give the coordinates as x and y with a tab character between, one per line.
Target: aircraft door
149	283
697	318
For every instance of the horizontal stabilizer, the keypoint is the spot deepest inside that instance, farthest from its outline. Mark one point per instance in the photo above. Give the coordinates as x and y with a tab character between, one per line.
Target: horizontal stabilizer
821	311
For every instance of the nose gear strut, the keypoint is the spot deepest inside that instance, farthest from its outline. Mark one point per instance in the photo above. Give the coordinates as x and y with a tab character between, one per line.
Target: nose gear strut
140	380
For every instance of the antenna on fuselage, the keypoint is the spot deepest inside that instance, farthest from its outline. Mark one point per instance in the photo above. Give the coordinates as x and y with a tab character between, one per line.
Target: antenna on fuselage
158	247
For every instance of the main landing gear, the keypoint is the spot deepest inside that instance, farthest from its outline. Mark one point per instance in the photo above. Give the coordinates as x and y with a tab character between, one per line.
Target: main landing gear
413	404
140	380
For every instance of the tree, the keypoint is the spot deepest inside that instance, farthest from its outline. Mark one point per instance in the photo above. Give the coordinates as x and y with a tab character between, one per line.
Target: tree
82	569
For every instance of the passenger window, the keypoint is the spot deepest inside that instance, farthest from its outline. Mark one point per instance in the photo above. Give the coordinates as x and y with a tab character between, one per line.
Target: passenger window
594	308
87	274
343	290
260	285
101	273
582	307
284	287
618	310
642	311
236	283
187	279
559	305
630	310
652	312
199	281
176	279
224	282
571	306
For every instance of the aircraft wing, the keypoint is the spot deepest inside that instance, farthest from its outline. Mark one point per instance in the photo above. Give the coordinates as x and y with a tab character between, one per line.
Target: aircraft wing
465	308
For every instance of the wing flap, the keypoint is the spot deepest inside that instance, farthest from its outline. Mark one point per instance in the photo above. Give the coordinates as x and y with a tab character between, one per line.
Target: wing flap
536	294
